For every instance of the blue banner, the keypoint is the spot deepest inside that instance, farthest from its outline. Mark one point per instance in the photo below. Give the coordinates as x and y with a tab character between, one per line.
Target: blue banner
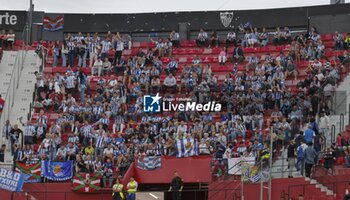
12	181
57	171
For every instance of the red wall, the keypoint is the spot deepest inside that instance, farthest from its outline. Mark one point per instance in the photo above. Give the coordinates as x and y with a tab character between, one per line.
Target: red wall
191	170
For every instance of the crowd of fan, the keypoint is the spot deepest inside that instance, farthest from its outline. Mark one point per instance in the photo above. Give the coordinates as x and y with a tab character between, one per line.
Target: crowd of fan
107	128
7	40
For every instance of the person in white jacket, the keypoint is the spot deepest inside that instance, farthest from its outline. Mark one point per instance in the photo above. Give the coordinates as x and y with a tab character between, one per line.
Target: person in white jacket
324	125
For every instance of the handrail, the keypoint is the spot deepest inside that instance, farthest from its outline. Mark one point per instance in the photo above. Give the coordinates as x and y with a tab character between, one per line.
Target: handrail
9	100
349	114
333	133
13	85
298	185
342	123
233	193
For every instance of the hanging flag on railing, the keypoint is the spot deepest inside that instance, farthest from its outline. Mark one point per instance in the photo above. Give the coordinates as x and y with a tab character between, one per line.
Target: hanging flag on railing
235	164
53	24
88	183
186	147
253	173
149	162
10	180
32	171
57	171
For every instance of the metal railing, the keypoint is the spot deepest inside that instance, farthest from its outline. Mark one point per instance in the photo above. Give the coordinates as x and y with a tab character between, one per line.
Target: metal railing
338	188
199	194
195	194
13	84
332	133
297	189
341	122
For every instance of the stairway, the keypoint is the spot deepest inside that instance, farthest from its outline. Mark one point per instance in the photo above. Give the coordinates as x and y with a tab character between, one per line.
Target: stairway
342	101
280	166
6	67
323	188
23	93
292	187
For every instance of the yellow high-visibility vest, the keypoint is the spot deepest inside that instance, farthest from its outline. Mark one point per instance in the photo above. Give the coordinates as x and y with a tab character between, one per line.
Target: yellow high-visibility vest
266	153
120	187
132	184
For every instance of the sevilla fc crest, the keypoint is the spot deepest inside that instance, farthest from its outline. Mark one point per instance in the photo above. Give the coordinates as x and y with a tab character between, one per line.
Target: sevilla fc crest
226	18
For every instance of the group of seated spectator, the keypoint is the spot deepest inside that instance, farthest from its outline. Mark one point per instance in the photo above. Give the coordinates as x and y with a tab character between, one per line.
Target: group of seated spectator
103	129
7	40
341	42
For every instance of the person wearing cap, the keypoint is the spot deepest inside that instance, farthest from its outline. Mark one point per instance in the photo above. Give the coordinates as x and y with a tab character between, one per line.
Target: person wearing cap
132	189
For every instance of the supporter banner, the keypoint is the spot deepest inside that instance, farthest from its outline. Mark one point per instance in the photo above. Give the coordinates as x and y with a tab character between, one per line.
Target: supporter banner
57	171
53	24
10	180
33	171
86	183
250	173
149	162
235	164
253	173
186	147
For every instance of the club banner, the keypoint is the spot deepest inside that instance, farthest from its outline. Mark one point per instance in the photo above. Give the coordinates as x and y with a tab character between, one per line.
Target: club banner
10	180
186	147
87	183
253	173
235	164
57	171
149	162
33	171
53	24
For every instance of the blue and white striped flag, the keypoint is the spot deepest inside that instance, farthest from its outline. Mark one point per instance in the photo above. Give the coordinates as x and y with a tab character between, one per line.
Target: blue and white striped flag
149	162
186	147
256	178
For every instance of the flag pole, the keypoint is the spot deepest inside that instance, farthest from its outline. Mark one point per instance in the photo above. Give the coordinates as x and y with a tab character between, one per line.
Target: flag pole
270	169
242	186
261	182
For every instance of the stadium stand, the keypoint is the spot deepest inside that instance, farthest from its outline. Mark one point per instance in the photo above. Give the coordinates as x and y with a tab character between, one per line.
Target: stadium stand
89	101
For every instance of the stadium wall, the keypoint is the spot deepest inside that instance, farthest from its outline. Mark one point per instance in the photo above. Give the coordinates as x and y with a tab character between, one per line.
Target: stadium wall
325	23
144	23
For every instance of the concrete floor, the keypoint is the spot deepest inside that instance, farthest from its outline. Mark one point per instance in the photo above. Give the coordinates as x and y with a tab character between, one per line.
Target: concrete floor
148	196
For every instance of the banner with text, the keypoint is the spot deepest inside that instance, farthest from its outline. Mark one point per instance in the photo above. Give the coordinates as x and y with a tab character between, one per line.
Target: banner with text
235	164
57	171
10	180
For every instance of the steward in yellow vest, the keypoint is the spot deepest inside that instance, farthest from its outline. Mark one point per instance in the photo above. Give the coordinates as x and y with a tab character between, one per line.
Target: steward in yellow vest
118	191
132	188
